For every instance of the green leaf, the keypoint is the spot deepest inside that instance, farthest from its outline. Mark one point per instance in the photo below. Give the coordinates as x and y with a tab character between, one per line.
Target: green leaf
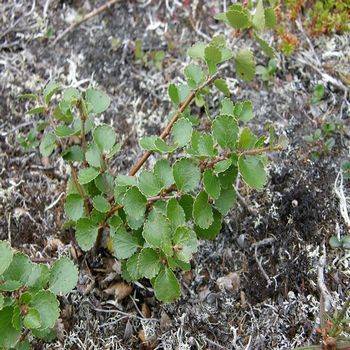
182	132
334	242
225	131
114	150
86	175
149	263
50	89
270	18
63	276
186	175
48	144
194	75
202	211
222	166
245	64
133	268
105	182
47	334
226	200
97	100
104	137
74	206
2	301
126	180
148	143
18	271
202	145
86	233
212	56
38	277
10	286
184	91
174	94
211	184
164	173
93	155
36	110
101	204
253	171
197	51
71	95
221	85
238	19
73	154
163	147
175	263
134	203
185	241
16	318
205	146
213	230
166	286
186	201
32	319
6	255
226	107
259	16
9	336
175	213
246	111
23	345
247	139
125	244
157	232
28	96
149	184
47	305
63	131
267	49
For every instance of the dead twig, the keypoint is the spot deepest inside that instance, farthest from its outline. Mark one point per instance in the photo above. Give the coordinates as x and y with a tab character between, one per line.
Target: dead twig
84	19
325	297
258	261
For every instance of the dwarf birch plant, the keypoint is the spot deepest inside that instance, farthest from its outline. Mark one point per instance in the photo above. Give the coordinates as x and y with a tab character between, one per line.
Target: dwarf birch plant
28	296
152	218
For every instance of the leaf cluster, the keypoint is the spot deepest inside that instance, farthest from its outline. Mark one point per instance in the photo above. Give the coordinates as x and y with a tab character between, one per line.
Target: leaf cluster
153	219
28	296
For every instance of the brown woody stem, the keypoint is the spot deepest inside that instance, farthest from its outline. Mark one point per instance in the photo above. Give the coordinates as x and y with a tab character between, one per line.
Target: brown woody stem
80	188
168	128
83	117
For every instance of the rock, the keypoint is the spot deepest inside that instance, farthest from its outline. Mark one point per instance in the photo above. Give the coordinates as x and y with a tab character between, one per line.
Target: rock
120	290
230	282
128	331
146	312
165	321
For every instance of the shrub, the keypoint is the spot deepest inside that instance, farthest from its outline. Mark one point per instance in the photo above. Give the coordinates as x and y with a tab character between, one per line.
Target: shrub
152	219
28	296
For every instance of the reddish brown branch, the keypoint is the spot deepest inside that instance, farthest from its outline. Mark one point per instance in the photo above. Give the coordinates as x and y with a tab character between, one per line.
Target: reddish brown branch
167	129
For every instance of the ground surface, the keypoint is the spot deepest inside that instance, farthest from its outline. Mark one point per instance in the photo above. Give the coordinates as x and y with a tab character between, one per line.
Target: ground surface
274	306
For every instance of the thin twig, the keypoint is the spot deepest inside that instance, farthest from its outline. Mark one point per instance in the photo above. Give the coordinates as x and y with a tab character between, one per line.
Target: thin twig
84	19
168	128
268	280
325	297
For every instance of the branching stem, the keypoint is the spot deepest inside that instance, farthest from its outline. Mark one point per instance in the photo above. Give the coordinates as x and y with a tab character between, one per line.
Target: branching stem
173	120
